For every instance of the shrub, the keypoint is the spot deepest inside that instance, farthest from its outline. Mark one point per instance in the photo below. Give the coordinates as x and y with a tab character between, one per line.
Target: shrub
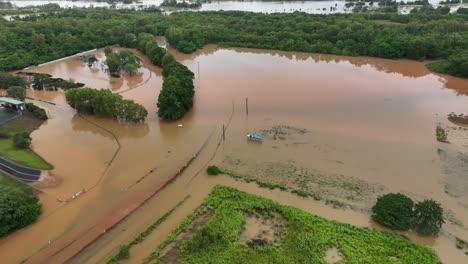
124	252
393	210
22	140
18	208
428	217
441	134
213	170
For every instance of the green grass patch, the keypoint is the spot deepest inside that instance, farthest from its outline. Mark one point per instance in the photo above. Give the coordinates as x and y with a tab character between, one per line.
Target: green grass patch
25	157
7	181
124	249
440	66
306	238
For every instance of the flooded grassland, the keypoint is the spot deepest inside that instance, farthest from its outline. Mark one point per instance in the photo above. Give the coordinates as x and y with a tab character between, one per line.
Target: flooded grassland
346	128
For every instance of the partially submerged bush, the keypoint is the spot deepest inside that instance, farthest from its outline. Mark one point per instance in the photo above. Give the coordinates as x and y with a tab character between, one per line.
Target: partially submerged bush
441	134
22	140
393	210
428	217
213	170
37	111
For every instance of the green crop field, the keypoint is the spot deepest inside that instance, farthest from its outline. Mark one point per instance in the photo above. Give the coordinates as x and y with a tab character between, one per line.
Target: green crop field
299	237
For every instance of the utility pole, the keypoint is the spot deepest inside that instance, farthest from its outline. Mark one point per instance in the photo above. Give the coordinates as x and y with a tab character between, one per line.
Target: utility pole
247	105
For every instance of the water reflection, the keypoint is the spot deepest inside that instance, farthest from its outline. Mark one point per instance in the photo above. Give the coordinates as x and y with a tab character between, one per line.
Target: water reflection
121	129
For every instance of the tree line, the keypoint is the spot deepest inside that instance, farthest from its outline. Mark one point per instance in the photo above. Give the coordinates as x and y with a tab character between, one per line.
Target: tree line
19	207
426	33
176	96
105	103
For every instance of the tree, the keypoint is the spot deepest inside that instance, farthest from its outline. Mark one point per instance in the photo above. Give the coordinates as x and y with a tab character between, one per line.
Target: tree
428	217
22	140
18	208
17	92
39	81
393	210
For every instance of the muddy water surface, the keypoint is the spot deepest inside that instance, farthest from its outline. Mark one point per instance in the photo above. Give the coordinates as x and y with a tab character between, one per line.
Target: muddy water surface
366	119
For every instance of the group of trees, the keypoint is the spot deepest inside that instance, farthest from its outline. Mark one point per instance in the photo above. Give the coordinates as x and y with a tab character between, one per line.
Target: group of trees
399	212
19	207
8	80
16	92
123	60
105	103
41	81
183	4
427	33
176	96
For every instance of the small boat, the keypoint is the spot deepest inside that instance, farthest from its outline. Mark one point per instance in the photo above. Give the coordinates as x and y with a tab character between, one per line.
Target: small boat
255	136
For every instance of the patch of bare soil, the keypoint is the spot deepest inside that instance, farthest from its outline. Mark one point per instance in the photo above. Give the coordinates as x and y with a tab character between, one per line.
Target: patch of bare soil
333	255
171	252
260	230
455	169
282	132
337	190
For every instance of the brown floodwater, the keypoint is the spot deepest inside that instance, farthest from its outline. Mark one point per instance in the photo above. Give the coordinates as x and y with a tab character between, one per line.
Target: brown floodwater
371	119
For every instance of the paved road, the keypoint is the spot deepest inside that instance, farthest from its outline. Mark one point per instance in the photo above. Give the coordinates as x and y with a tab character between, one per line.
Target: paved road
20	172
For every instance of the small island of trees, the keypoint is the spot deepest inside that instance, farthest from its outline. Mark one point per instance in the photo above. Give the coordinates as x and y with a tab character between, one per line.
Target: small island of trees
105	103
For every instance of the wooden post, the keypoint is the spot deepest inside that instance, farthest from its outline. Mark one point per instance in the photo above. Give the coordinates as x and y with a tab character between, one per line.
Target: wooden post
224	133
247	105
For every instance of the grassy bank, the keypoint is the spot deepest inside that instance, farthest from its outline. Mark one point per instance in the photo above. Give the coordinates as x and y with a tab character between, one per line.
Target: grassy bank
25	157
124	249
7	181
299	237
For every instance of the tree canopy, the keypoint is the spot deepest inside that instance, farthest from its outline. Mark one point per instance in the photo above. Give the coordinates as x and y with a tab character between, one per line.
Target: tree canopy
19	207
424	34
104	102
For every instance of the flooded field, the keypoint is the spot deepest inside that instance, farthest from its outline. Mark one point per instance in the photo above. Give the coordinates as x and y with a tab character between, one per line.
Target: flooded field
311	7
352	120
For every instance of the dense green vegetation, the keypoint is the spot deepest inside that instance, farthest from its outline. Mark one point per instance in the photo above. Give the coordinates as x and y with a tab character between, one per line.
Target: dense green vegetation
105	103
428	217
427	33
183	4
393	210
19	207
46	82
9	80
124	249
38	112
16	92
305	238
441	134
123	60
176	96
397	211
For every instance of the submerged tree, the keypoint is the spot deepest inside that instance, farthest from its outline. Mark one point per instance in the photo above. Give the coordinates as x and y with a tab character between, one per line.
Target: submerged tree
428	217
123	60
393	210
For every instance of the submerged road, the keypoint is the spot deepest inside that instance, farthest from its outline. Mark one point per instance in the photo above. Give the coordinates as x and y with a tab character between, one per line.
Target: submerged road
21	173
